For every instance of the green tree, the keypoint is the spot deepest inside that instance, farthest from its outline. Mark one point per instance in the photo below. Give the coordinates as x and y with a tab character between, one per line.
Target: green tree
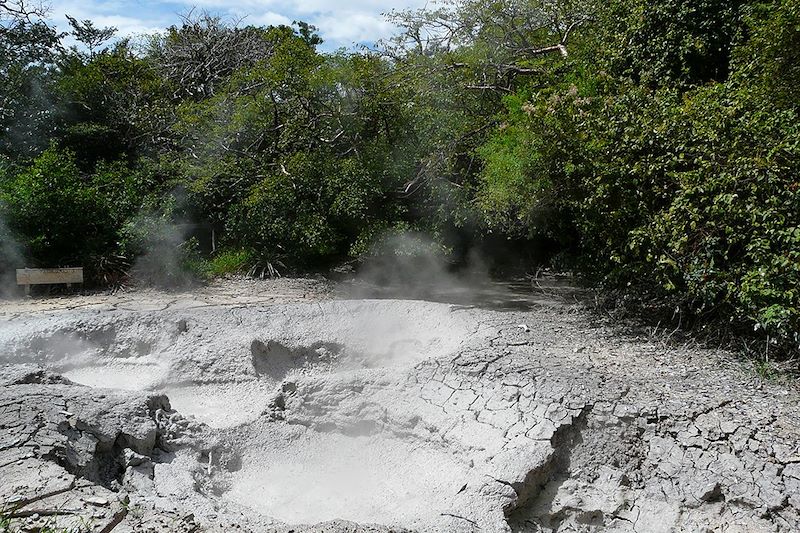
87	34
28	46
114	104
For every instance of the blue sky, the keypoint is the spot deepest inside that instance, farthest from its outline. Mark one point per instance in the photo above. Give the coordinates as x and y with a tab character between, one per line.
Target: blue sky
342	23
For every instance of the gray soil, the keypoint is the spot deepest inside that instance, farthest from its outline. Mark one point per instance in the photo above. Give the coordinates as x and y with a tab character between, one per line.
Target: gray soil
279	406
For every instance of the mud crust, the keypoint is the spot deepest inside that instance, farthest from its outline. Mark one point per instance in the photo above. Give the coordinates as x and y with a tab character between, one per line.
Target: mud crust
337	414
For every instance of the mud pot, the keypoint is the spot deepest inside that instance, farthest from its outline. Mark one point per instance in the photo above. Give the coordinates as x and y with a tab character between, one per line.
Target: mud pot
302	412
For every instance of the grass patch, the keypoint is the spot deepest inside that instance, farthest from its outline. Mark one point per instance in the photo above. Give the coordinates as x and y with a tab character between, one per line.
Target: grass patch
229	262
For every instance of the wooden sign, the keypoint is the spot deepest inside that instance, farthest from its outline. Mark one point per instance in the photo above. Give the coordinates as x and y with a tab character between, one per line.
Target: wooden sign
48	276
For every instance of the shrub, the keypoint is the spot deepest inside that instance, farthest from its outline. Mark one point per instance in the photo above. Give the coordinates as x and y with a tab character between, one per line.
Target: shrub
686	197
57	211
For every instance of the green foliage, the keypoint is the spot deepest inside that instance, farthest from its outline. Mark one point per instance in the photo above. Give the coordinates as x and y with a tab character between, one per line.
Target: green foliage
295	156
26	114
688	197
768	64
87	34
313	208
228	262
672	42
113	105
59	215
288	150
165	255
521	184
57	210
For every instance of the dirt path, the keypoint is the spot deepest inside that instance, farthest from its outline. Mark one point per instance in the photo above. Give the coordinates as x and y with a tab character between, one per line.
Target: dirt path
219	293
271	404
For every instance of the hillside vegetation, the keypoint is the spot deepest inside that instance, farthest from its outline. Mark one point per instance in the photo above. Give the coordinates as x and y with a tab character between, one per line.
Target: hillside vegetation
650	146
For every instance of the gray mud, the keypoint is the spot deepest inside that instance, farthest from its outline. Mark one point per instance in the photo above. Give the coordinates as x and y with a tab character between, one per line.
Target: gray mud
295	412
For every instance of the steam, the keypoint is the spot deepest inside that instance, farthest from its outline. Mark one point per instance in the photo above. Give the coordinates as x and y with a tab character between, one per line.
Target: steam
412	266
163	249
11	258
166	255
95	357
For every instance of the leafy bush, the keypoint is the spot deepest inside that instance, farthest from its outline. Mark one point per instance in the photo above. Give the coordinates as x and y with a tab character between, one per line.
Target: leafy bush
687	197
57	212
672	42
312	210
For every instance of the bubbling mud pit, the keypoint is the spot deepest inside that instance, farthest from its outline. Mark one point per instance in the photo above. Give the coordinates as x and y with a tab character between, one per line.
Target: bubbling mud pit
378	415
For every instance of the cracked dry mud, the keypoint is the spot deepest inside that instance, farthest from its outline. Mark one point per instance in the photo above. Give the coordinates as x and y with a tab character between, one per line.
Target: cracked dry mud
303	413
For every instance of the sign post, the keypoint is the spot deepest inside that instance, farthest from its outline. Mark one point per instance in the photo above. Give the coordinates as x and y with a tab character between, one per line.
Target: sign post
48	276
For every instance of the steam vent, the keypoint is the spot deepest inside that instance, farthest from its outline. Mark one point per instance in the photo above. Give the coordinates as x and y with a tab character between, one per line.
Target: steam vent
296	411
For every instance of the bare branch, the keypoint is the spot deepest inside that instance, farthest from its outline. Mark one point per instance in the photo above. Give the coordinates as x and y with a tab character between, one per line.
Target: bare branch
205	51
21	10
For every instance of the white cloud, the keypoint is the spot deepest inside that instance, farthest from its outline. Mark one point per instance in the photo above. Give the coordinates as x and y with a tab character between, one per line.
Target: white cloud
127	25
269	18
126	18
341	23
354	27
